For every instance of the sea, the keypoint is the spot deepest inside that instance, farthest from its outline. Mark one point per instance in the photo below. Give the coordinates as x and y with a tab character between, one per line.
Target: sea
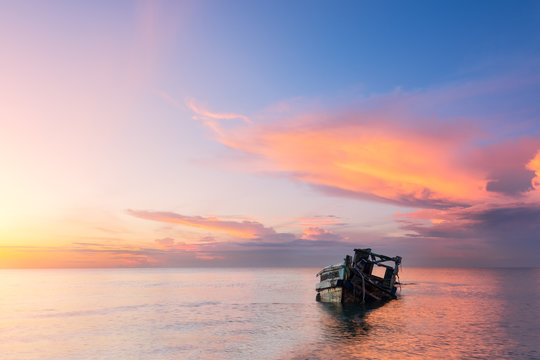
264	313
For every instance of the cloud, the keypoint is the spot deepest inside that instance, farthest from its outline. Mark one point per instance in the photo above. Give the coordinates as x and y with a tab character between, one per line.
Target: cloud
208	116
241	229
171	100
319	234
78	255
387	150
534	165
508	165
207	239
170	243
248	236
165	242
318	221
92	255
490	235
310	237
461	153
306	247
90	244
252	230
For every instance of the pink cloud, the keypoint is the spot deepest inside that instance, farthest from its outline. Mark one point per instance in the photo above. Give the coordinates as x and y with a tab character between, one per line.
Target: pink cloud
170	243
468	174
388	149
318	221
252	235
241	229
316	233
165	242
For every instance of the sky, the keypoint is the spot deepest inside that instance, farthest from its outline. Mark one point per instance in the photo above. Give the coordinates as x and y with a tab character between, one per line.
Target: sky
277	133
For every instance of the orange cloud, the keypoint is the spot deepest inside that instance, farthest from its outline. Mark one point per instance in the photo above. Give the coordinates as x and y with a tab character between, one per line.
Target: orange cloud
364	158
314	233
534	165
371	154
241	229
361	160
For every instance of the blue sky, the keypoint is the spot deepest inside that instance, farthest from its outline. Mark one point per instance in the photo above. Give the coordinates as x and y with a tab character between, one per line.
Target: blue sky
318	48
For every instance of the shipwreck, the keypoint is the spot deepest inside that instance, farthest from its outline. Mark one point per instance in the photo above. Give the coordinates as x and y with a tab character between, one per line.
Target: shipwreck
366	277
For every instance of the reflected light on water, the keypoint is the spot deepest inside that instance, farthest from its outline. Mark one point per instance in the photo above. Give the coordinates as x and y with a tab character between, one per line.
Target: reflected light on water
263	314
442	313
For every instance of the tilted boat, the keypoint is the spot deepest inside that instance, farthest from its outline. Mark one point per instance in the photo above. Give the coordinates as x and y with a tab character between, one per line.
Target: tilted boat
366	277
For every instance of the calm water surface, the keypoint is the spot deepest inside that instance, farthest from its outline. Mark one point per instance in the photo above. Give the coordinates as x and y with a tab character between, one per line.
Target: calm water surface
264	314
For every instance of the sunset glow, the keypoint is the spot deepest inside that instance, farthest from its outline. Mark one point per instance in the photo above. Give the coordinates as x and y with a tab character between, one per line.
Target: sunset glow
153	134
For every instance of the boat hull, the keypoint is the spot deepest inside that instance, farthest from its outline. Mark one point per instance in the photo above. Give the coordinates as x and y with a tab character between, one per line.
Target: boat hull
351	295
330	295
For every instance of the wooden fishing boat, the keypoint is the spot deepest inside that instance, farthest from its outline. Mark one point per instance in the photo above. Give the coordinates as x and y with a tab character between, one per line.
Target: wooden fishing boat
366	277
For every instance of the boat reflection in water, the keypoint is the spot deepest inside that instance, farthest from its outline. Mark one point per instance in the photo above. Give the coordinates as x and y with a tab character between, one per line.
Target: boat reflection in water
347	321
348	331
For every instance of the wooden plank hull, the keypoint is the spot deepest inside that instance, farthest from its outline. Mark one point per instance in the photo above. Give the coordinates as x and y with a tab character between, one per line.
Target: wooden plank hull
331	295
350	294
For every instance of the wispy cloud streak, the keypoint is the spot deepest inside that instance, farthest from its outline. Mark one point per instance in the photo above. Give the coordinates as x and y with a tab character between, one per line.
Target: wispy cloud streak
204	114
241	229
